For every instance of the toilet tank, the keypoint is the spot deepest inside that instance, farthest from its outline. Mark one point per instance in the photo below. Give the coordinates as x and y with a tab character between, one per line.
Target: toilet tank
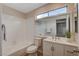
38	42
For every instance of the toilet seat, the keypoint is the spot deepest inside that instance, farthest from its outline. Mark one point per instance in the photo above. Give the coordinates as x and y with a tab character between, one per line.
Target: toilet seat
31	49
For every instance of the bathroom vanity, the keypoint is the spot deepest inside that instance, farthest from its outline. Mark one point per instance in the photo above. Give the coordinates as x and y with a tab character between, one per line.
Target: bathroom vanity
59	47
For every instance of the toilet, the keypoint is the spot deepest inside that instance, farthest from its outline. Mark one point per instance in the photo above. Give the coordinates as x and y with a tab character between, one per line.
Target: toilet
32	50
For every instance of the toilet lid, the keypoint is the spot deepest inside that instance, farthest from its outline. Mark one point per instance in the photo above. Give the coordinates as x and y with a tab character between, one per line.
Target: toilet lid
31	49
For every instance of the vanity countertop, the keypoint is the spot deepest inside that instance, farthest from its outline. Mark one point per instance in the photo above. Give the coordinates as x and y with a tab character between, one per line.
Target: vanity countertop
63	42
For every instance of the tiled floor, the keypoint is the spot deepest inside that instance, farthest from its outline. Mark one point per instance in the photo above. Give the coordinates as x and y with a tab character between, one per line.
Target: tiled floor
22	52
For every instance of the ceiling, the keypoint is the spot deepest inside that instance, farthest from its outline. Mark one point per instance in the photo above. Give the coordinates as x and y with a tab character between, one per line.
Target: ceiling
24	7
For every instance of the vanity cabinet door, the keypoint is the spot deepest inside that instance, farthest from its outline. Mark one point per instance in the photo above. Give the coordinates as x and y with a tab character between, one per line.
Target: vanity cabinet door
58	50
52	49
47	48
69	51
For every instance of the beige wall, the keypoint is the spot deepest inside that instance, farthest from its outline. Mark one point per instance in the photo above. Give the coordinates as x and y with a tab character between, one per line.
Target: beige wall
49	7
71	7
13	12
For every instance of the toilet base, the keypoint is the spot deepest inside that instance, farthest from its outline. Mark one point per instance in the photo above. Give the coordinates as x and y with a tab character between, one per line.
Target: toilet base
32	54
